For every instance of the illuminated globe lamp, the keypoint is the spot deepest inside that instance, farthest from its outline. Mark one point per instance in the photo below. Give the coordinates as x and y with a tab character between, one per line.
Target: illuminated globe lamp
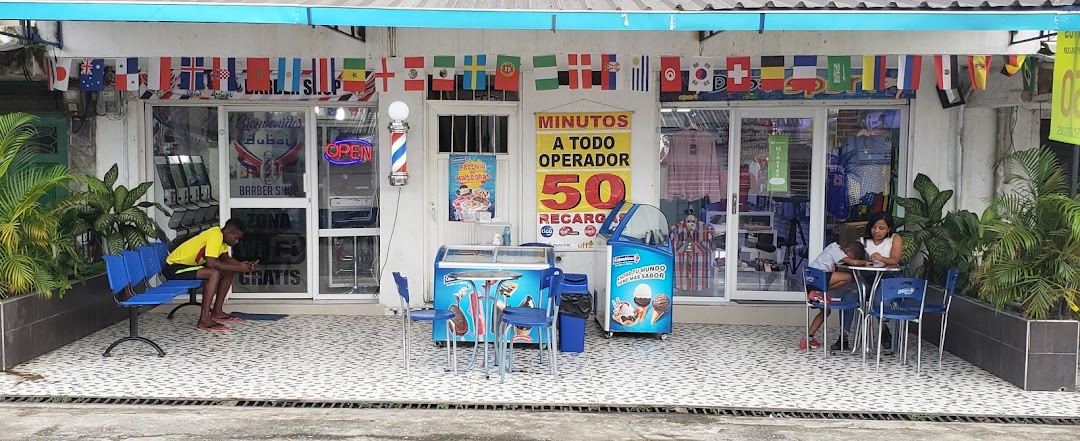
398	112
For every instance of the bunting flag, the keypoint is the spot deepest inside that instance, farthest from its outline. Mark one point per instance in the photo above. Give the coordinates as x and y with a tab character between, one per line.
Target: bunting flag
192	73
386	75
507	73
258	75
873	72
324	75
1013	64
159	74
772	73
546	72
353	74
738	74
947	77
223	75
839	75
127	74
1028	71
288	75
580	70
475	77
443	76
909	72
611	73
639	73
804	73
57	73
415	75
670	76
979	70
92	74
701	75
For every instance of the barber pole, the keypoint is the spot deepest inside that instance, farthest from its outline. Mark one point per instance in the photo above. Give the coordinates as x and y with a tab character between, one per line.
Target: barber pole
397	152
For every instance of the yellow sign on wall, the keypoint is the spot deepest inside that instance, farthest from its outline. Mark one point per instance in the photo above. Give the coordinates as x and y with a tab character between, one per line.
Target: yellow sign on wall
582	171
1065	96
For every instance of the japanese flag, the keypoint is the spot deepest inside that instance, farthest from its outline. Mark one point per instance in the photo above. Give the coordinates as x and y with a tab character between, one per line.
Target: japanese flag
58	73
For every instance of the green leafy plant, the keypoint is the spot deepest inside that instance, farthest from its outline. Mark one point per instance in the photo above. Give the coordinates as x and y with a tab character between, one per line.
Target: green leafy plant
1034	260
967	238
33	242
116	214
923	232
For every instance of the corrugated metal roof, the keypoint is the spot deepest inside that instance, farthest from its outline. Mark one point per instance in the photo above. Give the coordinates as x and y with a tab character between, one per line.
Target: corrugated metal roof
636	5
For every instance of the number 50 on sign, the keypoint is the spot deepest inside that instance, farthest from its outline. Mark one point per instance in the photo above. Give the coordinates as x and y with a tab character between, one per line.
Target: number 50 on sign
1065	97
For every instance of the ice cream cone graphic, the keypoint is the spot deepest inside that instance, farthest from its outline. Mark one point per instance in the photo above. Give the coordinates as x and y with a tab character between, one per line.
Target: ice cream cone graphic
661	304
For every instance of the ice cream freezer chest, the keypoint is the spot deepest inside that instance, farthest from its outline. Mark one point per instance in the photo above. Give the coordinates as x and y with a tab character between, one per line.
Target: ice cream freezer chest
638	268
460	297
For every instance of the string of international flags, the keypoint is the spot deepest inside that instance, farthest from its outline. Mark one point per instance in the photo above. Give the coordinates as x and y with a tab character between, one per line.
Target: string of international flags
550	72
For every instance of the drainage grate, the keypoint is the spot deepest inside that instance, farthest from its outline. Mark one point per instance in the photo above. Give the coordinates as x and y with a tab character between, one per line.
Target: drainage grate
699	410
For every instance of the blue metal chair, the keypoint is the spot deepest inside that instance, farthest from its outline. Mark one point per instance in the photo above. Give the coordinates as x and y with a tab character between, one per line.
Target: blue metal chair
137	275
939	308
161	249
546	323
119	283
815	280
152	261
424	315
887	305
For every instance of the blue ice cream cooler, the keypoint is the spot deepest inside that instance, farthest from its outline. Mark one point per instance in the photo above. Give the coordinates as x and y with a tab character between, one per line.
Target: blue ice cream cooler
460	297
639	268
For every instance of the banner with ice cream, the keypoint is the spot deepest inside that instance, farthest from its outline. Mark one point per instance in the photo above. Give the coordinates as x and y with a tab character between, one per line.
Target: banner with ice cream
472	187
641	284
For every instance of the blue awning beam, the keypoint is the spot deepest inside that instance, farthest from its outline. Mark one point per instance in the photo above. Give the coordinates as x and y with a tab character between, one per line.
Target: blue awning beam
1046	19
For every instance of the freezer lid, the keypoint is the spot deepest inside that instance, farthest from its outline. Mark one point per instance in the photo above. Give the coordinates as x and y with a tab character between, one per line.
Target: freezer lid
524	255
469	254
642	224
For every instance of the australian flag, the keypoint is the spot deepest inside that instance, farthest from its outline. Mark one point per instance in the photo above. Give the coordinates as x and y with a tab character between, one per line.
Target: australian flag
92	74
192	73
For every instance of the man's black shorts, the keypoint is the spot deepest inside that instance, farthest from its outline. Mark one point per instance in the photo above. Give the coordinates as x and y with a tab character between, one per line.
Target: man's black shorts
180	272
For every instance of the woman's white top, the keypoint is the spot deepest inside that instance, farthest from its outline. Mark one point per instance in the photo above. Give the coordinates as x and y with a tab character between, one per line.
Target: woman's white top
884	248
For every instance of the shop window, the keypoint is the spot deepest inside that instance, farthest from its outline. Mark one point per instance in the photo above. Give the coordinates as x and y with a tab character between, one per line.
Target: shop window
460	93
186	165
474	134
863	157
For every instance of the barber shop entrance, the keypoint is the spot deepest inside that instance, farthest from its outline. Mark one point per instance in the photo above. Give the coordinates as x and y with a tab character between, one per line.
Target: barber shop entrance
302	178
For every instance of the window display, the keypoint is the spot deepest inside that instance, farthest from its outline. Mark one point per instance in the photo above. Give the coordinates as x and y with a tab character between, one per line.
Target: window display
863	155
185	145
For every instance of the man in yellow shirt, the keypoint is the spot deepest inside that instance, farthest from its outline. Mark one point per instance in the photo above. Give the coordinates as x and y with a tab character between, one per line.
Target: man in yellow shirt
206	257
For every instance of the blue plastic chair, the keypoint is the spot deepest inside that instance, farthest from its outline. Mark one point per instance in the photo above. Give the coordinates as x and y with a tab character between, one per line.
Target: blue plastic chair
119	282
940	308
816	280
887	305
161	249
424	315
153	262
545	281
505	345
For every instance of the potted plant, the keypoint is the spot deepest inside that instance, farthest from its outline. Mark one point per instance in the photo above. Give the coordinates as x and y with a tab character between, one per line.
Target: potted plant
1022	259
115	213
41	309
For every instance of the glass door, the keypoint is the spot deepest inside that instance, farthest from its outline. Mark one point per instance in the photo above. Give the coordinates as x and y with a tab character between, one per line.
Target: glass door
774	212
268	189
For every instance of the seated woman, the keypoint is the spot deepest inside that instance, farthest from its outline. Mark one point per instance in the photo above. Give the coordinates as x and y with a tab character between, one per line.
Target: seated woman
882	245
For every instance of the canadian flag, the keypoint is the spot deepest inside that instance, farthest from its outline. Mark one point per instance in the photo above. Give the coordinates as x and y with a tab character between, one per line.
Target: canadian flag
57	73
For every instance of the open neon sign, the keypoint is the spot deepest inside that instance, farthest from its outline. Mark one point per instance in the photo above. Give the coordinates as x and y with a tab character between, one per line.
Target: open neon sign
348	151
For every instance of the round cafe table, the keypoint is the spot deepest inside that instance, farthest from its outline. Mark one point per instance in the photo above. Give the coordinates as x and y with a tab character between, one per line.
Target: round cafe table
867	295
493	279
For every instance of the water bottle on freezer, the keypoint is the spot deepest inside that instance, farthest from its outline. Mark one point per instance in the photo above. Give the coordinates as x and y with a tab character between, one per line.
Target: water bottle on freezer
506	236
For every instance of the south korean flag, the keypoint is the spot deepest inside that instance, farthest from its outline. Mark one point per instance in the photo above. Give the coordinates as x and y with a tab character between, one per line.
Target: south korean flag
701	75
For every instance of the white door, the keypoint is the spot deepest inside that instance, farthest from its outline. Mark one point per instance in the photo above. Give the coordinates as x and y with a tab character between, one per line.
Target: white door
776	205
488	130
267	186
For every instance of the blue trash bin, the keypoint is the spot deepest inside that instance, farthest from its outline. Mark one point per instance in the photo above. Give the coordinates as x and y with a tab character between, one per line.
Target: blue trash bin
571	334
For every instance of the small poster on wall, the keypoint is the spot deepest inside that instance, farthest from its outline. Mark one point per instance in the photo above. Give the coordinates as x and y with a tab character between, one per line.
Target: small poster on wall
778	163
472	187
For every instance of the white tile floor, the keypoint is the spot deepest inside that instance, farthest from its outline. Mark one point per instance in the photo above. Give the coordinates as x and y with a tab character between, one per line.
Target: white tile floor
330	357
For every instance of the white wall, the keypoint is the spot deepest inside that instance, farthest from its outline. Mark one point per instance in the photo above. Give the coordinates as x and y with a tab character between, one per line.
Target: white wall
406	211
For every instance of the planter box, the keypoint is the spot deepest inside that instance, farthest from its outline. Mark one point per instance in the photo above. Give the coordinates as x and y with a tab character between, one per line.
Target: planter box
1031	354
32	325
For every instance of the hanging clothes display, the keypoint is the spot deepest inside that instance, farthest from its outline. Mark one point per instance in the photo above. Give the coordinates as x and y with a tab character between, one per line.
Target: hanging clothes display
692	166
692	242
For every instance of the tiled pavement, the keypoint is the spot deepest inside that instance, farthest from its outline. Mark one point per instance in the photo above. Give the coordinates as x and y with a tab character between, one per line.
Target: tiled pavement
358	358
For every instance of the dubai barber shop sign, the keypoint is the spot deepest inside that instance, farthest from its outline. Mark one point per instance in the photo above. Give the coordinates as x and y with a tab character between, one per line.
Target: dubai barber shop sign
266	158
472	187
582	171
1065	96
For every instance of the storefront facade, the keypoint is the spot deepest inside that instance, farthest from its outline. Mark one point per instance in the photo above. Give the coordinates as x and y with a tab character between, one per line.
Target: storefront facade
329	227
